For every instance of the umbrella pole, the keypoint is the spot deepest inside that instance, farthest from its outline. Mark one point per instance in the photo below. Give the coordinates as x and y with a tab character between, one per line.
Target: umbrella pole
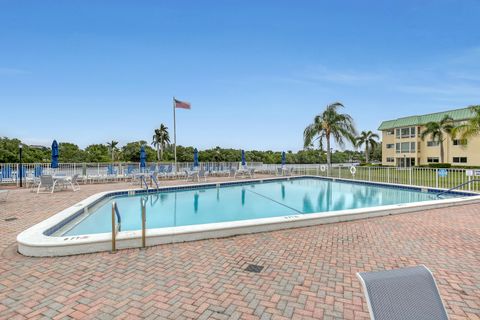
174	135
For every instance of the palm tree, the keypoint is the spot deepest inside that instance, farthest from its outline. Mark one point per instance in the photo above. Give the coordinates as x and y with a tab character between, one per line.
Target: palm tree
471	127
436	131
330	124
369	139
161	139
112	146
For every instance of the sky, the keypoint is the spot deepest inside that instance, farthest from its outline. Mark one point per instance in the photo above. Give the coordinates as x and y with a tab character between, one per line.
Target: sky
255	72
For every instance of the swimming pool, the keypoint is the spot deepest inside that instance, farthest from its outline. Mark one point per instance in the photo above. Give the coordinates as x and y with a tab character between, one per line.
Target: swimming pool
214	210
240	202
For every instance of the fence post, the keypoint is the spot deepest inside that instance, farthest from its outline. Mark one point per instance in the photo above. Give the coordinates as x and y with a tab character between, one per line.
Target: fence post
410	179
436	178
388	175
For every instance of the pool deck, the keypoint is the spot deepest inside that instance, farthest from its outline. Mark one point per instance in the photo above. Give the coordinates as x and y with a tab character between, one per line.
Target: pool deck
308	272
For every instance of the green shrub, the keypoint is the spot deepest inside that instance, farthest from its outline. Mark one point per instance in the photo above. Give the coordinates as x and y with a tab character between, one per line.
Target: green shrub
439	165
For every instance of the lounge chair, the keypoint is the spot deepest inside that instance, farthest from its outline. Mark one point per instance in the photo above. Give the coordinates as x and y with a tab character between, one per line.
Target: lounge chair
402	294
47	183
74	183
191	174
202	174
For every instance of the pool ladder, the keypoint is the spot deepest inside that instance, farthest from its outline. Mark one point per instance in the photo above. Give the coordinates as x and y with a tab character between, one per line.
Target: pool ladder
117	223
144	183
456	187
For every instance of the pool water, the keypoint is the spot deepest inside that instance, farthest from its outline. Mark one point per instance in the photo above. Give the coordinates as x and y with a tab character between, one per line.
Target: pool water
241	202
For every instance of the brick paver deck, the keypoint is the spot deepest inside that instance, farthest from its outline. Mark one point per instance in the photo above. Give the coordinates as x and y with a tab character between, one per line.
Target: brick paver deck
308	272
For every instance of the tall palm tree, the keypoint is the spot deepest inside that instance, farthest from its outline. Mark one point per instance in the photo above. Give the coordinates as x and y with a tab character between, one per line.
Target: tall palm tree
437	131
472	126
112	146
369	139
330	124
161	139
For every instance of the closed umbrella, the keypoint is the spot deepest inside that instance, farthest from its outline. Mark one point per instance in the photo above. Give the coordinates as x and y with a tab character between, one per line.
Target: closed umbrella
54	162
195	158
244	163
284	159
143	158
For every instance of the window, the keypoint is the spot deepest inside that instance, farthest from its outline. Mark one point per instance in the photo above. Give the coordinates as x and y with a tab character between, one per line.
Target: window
390	159
412	132
397	133
390	146
405	147
459	159
432	160
433	143
405	132
390	132
418	148
397	147
412	146
460	142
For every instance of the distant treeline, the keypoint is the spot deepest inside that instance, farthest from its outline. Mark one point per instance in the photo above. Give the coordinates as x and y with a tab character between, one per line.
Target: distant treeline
70	152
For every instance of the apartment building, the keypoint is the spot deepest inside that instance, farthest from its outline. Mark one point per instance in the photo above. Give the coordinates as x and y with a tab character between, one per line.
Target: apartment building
402	144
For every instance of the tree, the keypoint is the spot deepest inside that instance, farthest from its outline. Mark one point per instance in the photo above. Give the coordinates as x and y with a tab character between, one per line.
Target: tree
70	152
369	139
97	153
437	131
330	124
112	146
161	139
472	126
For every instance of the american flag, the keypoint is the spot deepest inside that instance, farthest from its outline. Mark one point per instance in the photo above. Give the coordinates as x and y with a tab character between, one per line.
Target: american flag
181	104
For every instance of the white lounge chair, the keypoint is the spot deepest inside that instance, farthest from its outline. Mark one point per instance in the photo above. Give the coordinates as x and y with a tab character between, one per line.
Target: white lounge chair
47	183
191	174
202	174
403	294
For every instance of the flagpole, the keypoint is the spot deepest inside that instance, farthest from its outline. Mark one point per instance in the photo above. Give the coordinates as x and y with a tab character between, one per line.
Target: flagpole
174	135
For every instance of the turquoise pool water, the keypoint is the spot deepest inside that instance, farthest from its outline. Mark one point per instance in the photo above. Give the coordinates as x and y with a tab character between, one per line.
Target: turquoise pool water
241	202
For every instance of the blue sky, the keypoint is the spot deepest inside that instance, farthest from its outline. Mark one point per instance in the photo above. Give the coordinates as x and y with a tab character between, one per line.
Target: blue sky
256	72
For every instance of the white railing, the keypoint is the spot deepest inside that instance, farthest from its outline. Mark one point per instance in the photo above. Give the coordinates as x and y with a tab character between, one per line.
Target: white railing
110	172
105	172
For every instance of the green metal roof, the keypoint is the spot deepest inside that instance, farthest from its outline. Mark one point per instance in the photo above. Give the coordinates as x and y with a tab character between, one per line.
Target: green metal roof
457	115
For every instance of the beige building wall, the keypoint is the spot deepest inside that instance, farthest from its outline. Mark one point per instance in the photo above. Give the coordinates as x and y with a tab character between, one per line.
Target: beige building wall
422	151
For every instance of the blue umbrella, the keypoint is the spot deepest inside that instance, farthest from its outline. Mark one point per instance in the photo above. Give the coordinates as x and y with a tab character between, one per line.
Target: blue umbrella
195	157
243	158
143	158
284	158
54	154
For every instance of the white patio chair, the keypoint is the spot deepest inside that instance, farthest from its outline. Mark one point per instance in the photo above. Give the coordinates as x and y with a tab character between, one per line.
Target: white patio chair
191	174
74	183
403	294
47	183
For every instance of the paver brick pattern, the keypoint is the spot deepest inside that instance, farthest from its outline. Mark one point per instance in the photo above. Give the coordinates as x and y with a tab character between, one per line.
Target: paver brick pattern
308	272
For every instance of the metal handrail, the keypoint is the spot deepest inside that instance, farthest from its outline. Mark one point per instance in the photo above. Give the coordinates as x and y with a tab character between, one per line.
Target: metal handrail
143	203
115	227
142	179
456	187
154	179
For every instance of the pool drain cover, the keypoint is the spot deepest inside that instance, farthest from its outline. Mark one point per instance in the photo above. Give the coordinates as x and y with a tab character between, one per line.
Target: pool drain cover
254	268
10	219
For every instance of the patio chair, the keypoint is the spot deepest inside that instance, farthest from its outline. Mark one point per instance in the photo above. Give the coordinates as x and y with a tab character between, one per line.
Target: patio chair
402	294
202	174
47	183
74	183
191	174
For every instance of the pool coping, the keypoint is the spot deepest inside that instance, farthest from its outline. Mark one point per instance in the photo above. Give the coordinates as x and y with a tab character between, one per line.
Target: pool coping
37	242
